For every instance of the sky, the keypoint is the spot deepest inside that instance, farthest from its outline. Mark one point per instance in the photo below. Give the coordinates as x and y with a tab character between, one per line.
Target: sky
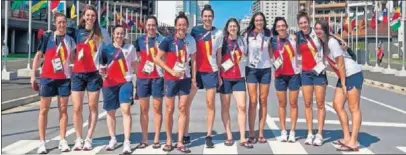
223	10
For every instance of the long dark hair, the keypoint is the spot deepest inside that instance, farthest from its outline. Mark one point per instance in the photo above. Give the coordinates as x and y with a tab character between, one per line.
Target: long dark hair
251	25
225	31
96	27
325	27
274	32
207	7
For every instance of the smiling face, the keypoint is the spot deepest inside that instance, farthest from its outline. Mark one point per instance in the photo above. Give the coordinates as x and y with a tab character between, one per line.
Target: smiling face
281	28
151	26
259	22
89	17
60	24
303	24
181	26
207	18
118	35
232	28
319	31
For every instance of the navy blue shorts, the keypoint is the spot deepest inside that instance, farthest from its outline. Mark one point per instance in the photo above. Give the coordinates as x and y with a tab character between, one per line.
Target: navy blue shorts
148	87
229	86
177	87
54	87
116	95
258	75
91	81
206	80
283	82
310	78
356	80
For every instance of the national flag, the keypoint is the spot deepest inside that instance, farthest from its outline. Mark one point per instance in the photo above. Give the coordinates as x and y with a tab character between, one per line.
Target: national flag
353	18
104	8
57	5
16	5
38	4
346	23
385	16
73	12
129	22
396	19
103	21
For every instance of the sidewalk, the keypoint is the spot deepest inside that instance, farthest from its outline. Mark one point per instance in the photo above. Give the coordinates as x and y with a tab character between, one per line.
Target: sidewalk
16	93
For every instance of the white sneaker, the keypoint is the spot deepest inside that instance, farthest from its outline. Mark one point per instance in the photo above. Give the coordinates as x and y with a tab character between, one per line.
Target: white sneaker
112	144
292	137
63	146
88	145
309	139
126	147
318	141
42	149
78	144
284	136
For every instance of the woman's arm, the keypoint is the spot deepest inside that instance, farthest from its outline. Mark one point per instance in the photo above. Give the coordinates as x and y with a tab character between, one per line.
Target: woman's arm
158	60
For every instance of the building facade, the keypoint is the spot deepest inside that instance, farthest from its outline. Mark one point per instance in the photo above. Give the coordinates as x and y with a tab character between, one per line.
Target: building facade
244	23
273	9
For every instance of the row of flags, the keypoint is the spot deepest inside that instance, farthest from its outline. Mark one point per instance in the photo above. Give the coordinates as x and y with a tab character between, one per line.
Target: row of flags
59	6
395	20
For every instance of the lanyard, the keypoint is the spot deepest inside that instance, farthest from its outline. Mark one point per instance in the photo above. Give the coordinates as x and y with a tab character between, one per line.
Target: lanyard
59	45
91	36
262	42
207	33
147	43
182	55
233	49
280	48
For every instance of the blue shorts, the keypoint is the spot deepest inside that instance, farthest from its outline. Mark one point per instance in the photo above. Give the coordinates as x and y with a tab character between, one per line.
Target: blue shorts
116	95
54	87
310	78
148	87
356	80
206	80
91	81
229	86
177	87
283	82
258	75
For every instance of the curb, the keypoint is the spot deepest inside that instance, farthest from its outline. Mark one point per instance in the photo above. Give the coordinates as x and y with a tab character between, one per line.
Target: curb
388	86
19	102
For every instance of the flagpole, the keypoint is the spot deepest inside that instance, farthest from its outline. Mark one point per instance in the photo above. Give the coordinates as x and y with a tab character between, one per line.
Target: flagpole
126	18
77	12
64	7
99	11
5	46
121	14
335	22
389	70
49	15
107	14
403	71
29	33
366	34
376	68
136	20
115	13
314	3
89	2
341	23
131	28
356	32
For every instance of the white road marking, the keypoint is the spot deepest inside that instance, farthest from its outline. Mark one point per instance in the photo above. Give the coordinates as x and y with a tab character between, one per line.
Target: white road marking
336	122
402	148
95	150
379	103
279	147
24	146
21	147
220	148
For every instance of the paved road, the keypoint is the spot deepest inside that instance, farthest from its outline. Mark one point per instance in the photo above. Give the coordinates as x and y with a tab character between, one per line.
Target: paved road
383	126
